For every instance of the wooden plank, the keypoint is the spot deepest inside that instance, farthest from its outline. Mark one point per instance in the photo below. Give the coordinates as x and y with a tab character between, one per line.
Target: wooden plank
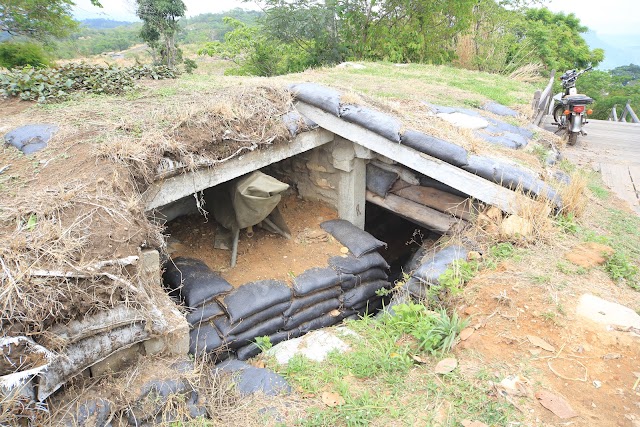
618	179
439	200
430	218
473	185
165	191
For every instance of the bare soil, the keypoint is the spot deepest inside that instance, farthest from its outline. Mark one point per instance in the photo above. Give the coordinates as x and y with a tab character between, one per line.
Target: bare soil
264	255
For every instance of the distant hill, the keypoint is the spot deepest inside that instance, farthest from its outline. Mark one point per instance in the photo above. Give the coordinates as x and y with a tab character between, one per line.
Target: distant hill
102	24
618	50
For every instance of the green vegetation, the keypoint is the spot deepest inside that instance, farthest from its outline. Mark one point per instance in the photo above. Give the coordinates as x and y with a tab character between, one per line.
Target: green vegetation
55	84
386	355
21	54
609	88
160	27
454	278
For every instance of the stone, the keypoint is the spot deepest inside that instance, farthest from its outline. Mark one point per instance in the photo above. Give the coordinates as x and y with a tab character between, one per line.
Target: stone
315	345
117	361
516	227
31	138
607	313
463	120
249	379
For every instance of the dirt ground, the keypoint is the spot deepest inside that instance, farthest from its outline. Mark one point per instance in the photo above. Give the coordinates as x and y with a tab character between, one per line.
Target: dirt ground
264	255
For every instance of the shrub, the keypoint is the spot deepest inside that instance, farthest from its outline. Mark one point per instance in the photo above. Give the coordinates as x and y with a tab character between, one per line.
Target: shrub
53	84
18	55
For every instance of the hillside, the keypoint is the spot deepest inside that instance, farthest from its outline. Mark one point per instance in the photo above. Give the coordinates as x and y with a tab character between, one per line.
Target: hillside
79	201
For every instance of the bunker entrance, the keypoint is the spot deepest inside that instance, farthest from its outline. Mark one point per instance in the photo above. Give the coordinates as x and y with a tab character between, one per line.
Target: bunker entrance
404	239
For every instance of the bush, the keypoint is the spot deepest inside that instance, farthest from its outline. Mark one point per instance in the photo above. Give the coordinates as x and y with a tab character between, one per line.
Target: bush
18	55
54	84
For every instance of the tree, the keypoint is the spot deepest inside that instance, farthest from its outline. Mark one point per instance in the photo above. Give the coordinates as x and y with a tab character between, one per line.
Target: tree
557	40
160	25
39	19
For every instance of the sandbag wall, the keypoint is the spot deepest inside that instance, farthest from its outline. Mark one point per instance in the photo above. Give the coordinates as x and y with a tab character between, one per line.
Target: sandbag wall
226	321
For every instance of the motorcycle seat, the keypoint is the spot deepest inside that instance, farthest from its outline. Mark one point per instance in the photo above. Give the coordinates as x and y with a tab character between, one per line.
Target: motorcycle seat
577	99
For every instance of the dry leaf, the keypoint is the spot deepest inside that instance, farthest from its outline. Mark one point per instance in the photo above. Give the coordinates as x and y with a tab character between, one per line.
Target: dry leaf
469	423
332	399
539	342
556	404
334	313
258	363
466	333
344	250
418	359
446	365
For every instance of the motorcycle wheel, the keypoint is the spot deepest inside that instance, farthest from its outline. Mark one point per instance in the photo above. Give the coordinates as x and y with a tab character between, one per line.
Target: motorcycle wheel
558	113
573	138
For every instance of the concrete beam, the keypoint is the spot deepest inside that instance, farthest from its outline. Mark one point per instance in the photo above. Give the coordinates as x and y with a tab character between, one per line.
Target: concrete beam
169	190
352	189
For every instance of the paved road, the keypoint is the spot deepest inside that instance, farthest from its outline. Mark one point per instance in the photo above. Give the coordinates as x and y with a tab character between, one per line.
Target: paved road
613	148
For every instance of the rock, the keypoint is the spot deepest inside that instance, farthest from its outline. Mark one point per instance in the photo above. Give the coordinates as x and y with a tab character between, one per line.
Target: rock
607	313
31	138
589	254
463	120
516	227
250	379
315	345
445	366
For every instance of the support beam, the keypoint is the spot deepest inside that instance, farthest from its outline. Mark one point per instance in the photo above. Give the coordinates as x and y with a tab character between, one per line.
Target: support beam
466	182
351	193
168	190
427	217
439	200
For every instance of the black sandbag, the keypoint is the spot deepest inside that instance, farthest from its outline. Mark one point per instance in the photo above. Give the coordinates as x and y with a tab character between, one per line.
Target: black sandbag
226	327
376	121
369	307
92	412
365	276
352	265
317	95
252	349
499	109
205	312
249	379
416	259
426	181
380	181
297	123
319	323
205	339
435	147
267	327
298	304
417	288
508	140
154	396
358	241
253	297
357	295
433	267
510	176
310	313
195	281
314	280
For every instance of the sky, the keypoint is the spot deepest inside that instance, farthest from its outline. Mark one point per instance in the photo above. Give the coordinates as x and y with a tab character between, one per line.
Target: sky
604	17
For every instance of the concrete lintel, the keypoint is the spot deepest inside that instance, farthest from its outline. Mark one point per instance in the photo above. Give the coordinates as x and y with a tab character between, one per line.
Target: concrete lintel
343	154
352	190
165	191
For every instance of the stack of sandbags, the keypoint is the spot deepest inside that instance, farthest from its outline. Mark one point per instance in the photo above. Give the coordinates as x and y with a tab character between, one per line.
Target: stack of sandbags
197	286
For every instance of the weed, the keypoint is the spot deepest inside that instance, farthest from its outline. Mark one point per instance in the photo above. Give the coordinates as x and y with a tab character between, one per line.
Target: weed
598	191
263	343
620	268
548	315
566	166
567	223
541	279
541	153
454	278
502	251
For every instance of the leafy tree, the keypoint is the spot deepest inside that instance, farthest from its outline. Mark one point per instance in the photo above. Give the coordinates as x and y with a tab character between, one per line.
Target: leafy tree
557	39
39	19
160	25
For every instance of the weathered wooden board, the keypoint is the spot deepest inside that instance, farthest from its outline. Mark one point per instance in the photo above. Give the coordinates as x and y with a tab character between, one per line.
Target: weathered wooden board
618	179
439	200
468	183
165	191
423	215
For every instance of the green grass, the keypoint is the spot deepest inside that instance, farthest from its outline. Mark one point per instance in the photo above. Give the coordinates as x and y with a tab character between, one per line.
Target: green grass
380	381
